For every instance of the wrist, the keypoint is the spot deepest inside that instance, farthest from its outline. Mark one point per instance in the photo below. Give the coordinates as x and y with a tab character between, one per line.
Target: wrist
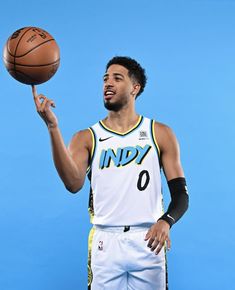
52	127
167	219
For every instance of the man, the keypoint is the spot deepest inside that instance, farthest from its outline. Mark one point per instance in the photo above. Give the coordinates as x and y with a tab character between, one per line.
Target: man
123	155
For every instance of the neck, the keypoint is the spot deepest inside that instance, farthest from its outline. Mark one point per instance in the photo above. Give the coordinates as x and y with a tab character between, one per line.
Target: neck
122	120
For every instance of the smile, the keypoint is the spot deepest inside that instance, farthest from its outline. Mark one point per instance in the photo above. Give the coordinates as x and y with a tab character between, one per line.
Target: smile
109	93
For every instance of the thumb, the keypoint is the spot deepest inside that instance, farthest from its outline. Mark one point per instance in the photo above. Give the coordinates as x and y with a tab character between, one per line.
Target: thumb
50	103
168	243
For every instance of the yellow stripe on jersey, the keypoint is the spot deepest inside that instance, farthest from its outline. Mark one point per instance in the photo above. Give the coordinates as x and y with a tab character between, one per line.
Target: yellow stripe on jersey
154	139
90	240
127	132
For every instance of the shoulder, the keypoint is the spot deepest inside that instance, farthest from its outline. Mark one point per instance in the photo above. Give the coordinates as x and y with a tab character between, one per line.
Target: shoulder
82	138
162	129
164	135
82	134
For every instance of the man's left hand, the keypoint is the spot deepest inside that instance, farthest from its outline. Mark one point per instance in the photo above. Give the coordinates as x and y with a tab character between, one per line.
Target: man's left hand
157	235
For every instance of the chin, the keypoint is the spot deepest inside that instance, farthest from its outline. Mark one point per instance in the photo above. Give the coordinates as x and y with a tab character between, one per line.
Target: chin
112	106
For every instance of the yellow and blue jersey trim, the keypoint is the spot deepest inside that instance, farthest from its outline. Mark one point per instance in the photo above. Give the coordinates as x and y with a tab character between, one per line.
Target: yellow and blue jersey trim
140	120
93	136
152	130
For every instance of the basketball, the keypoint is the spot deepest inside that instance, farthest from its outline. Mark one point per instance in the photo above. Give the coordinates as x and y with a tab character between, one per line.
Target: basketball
31	55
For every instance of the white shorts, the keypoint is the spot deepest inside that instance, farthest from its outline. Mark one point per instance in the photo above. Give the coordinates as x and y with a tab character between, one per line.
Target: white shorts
121	260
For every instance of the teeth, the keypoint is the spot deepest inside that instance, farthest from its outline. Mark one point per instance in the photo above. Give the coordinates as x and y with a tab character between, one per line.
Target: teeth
109	93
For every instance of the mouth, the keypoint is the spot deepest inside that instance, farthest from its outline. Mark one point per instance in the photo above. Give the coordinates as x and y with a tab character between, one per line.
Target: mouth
108	94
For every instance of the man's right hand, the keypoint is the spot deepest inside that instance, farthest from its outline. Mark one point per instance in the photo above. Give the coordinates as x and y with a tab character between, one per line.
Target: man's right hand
43	106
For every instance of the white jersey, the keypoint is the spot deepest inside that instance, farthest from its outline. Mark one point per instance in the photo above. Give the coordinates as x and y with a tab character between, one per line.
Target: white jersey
125	176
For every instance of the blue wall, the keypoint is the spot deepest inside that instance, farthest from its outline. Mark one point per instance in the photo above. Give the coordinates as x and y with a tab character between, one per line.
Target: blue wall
187	48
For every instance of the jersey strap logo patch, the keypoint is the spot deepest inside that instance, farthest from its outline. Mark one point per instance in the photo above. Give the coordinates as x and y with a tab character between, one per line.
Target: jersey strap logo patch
143	135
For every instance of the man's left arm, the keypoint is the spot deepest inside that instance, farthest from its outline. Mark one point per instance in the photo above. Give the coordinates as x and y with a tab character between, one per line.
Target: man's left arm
158	234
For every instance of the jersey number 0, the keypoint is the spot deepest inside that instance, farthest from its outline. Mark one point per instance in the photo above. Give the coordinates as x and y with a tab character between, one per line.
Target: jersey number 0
140	185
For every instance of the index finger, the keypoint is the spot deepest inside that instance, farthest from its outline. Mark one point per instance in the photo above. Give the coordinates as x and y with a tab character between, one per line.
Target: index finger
35	96
34	91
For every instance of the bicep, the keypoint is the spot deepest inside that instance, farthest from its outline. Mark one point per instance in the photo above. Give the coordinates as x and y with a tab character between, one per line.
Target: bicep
170	153
79	151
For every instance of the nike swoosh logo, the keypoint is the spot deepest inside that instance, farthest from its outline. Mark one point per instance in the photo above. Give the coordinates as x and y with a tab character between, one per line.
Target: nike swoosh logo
171	217
104	139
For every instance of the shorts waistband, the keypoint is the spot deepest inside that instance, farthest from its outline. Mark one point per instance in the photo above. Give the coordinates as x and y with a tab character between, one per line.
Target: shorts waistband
119	229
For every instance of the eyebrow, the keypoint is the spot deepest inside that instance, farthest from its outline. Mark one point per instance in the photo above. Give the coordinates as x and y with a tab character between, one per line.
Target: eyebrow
115	74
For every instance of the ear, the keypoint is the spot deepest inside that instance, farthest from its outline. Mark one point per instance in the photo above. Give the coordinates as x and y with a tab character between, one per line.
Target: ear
136	89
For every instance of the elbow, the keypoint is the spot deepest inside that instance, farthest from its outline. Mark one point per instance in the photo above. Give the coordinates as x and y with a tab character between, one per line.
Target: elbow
73	184
73	188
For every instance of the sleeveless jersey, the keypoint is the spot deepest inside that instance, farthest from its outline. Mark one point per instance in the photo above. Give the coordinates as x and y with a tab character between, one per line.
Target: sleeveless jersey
125	175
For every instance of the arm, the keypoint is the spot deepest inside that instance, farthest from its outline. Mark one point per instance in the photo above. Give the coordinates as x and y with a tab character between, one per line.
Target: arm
170	157
72	162
175	177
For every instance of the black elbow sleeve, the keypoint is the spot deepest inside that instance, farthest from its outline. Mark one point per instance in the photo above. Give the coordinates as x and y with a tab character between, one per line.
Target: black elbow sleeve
179	200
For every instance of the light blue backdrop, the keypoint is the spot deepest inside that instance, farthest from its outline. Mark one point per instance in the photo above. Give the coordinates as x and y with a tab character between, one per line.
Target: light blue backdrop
187	48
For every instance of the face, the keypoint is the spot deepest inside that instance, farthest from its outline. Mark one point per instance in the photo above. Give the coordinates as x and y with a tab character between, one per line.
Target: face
118	88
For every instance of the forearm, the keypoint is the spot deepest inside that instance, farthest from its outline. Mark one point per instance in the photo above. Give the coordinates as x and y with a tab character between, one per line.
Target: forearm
65	166
179	201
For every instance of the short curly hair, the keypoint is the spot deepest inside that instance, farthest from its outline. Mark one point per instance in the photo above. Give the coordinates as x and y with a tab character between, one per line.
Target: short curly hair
135	70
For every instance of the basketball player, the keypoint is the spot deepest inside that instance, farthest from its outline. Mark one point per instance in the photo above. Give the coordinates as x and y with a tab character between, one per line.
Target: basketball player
123	156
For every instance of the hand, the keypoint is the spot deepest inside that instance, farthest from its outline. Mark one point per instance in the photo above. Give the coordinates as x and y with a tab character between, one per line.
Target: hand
157	235
43	105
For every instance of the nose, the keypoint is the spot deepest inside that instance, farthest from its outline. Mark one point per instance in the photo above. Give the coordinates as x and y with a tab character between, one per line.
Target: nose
108	83
108	86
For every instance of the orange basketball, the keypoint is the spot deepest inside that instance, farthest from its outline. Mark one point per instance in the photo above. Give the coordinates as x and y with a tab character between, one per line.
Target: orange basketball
31	55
